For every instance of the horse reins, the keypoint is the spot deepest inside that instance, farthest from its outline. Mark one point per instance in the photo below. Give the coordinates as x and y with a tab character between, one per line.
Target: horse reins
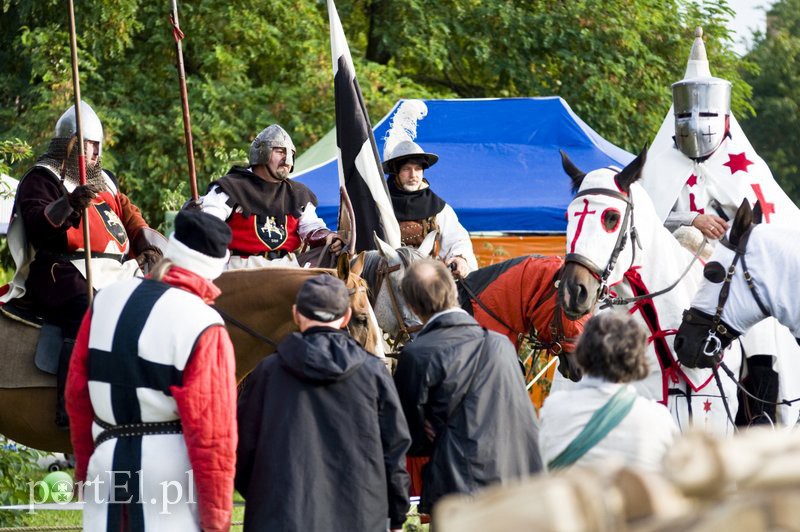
246	328
383	269
610	301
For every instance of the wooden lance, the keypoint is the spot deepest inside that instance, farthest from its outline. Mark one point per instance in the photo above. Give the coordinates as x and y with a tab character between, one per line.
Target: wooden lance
76	84
187	121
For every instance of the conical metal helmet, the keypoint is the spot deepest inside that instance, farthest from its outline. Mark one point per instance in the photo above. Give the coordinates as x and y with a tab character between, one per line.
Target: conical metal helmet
67	126
403	151
273	136
701	104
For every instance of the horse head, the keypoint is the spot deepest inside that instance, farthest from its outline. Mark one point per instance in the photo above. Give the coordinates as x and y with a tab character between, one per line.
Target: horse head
363	324
728	301
383	269
600	233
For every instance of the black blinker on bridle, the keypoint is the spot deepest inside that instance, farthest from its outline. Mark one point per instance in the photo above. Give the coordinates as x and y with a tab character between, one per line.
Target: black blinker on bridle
718	330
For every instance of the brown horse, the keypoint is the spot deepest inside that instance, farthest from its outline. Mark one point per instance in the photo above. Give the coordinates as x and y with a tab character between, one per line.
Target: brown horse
260	299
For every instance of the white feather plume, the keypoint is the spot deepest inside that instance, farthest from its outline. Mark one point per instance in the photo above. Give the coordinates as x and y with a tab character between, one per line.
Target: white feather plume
404	124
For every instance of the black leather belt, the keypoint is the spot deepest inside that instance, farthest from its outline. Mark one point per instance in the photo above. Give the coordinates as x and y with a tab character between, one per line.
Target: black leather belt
269	255
78	255
131	430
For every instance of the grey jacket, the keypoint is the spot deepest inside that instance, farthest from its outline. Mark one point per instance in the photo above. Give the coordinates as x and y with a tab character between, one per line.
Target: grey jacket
485	424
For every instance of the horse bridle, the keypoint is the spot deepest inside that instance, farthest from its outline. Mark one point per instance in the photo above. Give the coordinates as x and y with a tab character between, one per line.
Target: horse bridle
622	239
603	295
383	270
718	330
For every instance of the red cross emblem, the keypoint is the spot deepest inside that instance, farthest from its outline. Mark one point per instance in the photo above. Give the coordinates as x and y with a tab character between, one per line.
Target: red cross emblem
583	214
766	207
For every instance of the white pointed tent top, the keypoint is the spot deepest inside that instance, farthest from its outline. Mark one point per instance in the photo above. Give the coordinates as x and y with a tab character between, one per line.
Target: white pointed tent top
697	66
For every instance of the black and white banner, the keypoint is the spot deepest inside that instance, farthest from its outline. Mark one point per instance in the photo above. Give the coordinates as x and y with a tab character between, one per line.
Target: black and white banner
360	170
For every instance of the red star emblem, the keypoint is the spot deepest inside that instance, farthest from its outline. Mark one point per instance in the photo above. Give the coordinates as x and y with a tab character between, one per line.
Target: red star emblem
692	181
707	406
737	161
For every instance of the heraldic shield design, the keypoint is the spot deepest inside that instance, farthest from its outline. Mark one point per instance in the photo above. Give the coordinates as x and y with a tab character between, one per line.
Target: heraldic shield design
111	222
270	231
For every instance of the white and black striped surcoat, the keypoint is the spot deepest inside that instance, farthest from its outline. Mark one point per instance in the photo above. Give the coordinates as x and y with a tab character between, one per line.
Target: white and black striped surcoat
141	337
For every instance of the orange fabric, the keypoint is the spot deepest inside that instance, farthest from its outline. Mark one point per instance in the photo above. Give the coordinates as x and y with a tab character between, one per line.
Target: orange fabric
103	230
414	465
513	297
493	249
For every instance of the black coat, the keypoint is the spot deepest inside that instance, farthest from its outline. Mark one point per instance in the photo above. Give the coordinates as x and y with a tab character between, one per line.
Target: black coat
322	439
485	425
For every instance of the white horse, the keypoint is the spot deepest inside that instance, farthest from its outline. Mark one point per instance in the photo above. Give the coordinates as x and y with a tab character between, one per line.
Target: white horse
764	253
383	270
618	250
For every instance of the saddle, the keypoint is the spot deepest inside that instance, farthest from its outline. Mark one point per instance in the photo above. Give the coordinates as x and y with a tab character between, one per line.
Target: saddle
27	339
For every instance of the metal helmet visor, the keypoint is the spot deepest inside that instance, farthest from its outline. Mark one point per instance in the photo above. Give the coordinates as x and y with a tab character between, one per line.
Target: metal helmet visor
701	106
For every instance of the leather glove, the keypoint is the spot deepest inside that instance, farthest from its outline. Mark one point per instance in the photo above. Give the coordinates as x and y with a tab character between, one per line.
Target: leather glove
148	258
82	196
193	205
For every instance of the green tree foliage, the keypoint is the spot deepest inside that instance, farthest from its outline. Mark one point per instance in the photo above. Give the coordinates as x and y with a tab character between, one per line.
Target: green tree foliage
250	63
18	467
775	130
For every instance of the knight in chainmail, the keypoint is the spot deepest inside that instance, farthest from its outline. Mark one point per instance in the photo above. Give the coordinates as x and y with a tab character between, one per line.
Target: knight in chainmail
46	233
271	216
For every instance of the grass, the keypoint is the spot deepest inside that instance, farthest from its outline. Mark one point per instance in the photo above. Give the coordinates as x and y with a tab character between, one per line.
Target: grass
73	518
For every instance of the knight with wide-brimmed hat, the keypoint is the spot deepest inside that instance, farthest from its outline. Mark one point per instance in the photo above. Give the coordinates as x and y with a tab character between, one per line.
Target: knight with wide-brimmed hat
417	208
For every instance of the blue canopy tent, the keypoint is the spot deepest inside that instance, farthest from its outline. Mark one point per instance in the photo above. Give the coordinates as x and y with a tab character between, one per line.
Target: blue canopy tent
499	164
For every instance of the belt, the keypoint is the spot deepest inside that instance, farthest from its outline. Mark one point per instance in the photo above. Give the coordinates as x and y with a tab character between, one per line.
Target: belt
130	430
269	255
78	255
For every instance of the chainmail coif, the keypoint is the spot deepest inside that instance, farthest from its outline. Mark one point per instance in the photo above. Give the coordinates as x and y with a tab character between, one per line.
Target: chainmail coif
54	160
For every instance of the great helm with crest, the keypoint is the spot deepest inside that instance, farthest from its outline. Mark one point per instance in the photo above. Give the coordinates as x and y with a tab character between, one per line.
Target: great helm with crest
273	136
395	157
67	125
701	104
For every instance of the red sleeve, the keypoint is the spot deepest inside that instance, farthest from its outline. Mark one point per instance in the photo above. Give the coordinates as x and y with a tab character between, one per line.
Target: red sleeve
79	405
207	406
130	215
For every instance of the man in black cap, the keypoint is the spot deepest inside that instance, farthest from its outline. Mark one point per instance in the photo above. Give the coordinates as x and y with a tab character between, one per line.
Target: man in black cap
321	422
151	393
